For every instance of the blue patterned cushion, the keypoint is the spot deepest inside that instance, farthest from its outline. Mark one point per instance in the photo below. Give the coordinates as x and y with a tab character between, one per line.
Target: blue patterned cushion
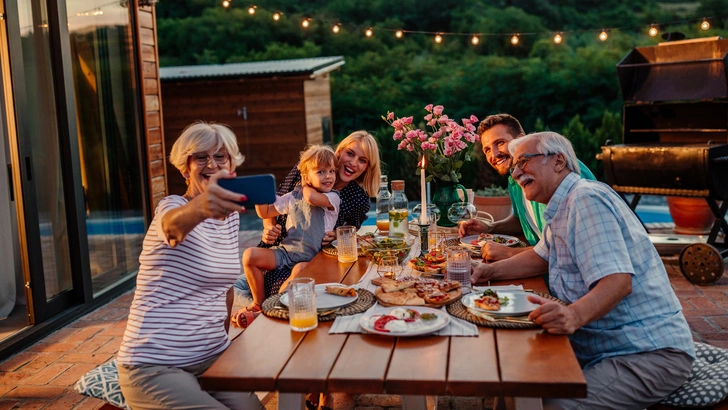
707	384
103	383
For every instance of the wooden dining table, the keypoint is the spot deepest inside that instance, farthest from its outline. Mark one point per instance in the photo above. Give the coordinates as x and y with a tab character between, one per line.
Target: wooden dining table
520	365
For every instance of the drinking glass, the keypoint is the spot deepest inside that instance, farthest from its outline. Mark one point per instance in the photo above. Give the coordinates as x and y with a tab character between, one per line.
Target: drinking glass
461	211
302	304
346	243
458	264
389	267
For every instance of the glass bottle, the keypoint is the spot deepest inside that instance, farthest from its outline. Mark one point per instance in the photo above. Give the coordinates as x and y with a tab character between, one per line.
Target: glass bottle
384	204
398	213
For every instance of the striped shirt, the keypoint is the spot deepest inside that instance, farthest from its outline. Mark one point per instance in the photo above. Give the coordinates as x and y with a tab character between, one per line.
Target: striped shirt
178	313
591	233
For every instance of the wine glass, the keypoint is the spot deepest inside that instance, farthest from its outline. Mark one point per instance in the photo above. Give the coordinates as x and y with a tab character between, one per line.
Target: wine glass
461	211
433	213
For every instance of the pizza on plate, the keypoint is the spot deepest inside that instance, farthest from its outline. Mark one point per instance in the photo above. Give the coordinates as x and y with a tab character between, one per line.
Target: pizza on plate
417	291
488	301
431	262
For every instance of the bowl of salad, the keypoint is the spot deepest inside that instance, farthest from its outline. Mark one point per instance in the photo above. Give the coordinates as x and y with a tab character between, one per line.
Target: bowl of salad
376	247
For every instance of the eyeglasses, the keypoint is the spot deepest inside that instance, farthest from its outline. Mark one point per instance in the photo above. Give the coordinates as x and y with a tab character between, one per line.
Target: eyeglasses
523	161
203	158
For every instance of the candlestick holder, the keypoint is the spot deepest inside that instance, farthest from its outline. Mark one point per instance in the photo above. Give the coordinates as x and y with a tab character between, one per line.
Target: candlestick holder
424	238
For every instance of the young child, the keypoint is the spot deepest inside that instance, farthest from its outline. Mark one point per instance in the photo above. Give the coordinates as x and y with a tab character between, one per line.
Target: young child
312	211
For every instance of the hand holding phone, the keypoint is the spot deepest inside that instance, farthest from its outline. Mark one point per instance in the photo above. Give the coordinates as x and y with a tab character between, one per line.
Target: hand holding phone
260	189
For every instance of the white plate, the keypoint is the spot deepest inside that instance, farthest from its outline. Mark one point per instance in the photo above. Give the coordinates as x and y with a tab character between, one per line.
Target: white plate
418	328
517	304
510	240
325	301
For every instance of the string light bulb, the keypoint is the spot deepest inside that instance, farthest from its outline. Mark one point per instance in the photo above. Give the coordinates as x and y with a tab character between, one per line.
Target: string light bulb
335	28
226	3
475	40
369	32
306	22
514	39
438	39
603	35
398	34
705	25
558	39
276	16
653	31
251	10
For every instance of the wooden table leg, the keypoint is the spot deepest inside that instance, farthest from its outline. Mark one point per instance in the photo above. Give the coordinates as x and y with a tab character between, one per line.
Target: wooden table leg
291	401
410	402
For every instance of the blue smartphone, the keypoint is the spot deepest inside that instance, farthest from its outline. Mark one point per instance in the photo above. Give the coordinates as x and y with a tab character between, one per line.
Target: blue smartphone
260	189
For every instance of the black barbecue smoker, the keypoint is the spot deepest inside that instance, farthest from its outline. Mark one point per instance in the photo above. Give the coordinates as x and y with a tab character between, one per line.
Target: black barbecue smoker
675	137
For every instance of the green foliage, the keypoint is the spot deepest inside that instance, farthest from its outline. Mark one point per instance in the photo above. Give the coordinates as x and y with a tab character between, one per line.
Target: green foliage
570	87
493	190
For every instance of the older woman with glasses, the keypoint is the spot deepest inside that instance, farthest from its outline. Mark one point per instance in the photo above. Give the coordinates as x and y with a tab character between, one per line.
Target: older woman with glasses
177	323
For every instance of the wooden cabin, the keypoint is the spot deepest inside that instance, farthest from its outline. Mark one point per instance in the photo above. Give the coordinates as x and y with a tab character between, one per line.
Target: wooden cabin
275	108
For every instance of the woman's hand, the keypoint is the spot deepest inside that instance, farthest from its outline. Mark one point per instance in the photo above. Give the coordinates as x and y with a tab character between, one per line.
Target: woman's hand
214	202
217	202
271	231
328	238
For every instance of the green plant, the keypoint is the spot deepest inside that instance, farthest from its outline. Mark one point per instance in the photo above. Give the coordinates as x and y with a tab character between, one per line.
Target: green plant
493	190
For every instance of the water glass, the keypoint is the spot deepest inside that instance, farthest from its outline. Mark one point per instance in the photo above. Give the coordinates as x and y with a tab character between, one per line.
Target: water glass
389	267
302	304
458	264
461	211
346	239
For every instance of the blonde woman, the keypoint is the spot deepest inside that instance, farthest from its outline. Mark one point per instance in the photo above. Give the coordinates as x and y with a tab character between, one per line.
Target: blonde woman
190	258
357	179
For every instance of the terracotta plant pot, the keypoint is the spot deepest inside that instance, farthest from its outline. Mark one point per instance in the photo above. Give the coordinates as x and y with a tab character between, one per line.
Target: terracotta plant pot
691	216
498	206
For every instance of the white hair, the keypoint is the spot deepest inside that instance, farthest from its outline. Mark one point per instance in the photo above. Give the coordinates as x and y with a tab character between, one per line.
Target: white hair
550	143
202	137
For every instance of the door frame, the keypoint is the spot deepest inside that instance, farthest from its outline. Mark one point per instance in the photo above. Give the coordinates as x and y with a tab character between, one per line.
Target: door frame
64	101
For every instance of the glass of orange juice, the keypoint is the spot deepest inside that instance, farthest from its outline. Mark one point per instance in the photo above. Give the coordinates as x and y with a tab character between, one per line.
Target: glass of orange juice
302	304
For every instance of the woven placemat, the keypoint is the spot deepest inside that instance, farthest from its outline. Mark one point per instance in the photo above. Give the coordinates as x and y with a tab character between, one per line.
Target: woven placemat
272	307
331	251
459	310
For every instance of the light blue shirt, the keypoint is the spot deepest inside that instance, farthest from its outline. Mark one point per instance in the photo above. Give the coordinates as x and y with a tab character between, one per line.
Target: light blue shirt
590	233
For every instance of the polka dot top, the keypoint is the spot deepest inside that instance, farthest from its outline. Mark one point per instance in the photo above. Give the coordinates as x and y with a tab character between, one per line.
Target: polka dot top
355	204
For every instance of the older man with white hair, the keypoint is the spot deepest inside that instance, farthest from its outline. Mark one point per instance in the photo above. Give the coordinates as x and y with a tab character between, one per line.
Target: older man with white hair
623	319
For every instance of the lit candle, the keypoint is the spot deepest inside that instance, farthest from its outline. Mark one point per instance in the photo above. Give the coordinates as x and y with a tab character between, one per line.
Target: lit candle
423	212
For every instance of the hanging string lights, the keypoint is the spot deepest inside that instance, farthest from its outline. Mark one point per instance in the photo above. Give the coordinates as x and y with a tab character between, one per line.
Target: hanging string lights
515	38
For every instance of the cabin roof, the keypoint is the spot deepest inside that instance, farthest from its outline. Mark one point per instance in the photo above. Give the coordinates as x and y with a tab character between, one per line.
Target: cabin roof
301	66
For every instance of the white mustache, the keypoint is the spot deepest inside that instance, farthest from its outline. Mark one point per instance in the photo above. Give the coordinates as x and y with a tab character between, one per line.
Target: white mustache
523	180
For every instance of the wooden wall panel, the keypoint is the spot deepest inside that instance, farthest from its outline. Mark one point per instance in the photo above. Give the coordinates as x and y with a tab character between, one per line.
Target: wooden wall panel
152	101
271	138
317	94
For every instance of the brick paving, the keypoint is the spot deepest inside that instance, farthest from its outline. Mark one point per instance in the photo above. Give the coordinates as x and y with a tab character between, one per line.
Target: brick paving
42	376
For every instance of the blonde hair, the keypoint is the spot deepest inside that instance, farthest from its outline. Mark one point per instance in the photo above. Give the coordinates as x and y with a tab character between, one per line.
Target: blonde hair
314	157
203	137
369	179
